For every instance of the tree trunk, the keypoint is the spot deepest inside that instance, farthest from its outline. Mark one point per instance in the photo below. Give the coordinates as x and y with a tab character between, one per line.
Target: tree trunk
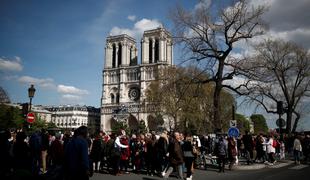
217	96
296	122
289	116
216	107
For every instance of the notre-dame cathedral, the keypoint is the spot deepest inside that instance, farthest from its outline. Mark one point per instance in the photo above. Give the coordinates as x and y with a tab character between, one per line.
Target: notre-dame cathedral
125	80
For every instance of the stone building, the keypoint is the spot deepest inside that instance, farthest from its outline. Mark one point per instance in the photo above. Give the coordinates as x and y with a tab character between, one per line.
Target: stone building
125	80
72	117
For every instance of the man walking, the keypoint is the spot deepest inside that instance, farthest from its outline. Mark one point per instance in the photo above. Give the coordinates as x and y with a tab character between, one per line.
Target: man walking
175	156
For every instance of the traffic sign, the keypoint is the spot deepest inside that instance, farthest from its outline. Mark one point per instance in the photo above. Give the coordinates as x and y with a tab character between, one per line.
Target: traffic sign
233	123
280	122
233	132
30	117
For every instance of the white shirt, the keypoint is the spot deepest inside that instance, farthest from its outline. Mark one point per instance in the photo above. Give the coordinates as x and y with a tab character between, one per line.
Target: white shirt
297	145
270	148
118	143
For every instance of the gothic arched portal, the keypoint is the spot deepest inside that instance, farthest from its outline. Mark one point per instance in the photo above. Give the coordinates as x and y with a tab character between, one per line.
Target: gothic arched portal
133	122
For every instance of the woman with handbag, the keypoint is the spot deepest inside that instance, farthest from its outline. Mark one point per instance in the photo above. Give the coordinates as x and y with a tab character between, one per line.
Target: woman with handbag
190	152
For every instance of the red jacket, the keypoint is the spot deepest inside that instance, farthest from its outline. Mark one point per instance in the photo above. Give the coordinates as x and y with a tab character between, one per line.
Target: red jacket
125	152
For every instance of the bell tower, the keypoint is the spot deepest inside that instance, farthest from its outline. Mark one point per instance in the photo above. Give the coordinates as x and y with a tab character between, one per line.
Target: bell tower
156	47
120	51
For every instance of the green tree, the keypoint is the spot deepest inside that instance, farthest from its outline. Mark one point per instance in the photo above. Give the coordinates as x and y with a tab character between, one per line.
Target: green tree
260	125
38	124
155	122
142	128
189	104
242	123
10	117
117	126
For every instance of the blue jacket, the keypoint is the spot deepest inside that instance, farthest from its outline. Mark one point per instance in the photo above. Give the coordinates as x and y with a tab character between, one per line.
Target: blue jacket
76	157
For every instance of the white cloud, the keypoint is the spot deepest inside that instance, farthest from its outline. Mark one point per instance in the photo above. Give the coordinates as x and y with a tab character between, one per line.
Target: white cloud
131	17
10	77
203	4
71	90
288	20
70	99
45	83
138	29
11	64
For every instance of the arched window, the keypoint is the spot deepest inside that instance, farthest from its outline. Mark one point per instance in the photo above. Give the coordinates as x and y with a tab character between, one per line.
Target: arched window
119	54
156	51
112	98
150	50
130	54
113	56
117	98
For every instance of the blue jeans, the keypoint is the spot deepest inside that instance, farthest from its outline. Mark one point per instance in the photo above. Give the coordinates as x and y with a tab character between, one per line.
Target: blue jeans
297	155
179	169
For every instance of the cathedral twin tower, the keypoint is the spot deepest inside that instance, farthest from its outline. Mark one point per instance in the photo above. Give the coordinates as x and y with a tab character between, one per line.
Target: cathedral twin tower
125	80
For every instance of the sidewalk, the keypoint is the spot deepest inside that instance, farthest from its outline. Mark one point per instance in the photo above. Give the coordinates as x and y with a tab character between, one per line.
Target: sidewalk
242	165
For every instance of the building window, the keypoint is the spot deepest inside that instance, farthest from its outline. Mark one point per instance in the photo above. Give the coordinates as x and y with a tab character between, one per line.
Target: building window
112	98
131	51
133	59
117	98
119	54
114	56
156	50
150	50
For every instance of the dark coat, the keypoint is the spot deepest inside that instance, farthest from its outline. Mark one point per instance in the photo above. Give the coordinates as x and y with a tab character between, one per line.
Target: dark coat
57	152
175	153
76	158
97	150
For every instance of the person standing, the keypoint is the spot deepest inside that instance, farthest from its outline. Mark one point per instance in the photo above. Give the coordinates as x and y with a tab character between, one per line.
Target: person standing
307	148
271	149
221	153
259	148
125	154
190	152
56	151
5	155
282	150
175	156
162	150
44	148
232	151
21	154
116	153
297	149
35	149
248	146
76	156
96	151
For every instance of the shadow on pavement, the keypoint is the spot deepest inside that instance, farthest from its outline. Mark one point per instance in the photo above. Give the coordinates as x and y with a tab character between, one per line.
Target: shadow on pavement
147	178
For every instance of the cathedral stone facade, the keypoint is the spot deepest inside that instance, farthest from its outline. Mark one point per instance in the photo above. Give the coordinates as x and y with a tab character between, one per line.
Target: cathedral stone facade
125	80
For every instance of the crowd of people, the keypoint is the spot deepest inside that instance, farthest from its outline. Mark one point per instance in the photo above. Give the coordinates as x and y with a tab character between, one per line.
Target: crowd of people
77	155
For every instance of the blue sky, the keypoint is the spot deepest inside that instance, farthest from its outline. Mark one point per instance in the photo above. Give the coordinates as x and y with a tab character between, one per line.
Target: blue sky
59	45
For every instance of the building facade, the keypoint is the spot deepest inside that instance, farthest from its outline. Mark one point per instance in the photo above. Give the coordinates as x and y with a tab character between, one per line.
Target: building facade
125	81
72	117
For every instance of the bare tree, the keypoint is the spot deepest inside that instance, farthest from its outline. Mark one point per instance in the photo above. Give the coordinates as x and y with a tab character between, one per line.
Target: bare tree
210	37
280	71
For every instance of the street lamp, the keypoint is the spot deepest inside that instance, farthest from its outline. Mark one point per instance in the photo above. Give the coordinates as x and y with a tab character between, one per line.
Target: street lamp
31	92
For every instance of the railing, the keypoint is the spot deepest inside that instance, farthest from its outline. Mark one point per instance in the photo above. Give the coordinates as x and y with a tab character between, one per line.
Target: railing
128	108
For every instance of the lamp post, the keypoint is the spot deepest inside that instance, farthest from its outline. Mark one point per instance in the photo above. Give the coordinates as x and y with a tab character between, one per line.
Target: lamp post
31	92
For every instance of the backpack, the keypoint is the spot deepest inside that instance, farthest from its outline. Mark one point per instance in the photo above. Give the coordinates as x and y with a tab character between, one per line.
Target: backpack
220	149
116	150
